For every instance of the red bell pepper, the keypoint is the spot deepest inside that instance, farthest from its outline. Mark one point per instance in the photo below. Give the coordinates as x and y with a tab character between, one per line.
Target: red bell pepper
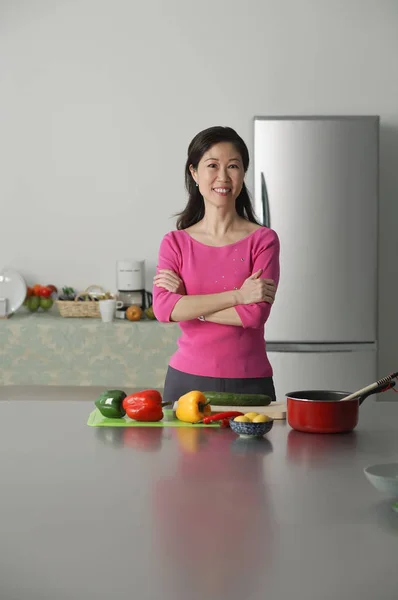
144	406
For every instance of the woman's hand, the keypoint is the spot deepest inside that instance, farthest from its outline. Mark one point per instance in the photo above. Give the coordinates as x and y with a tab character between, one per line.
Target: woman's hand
170	281
256	290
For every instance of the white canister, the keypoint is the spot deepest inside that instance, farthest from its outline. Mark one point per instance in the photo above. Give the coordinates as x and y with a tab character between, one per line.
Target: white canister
130	275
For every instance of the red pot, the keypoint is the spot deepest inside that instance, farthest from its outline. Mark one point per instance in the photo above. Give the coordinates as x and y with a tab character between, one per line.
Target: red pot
320	411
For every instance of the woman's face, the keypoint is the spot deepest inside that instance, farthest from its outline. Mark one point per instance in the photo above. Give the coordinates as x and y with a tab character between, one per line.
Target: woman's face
220	174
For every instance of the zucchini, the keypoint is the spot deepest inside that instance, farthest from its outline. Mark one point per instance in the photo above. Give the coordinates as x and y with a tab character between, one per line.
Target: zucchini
230	399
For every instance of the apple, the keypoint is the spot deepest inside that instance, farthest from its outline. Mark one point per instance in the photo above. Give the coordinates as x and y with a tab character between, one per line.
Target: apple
33	303
46	303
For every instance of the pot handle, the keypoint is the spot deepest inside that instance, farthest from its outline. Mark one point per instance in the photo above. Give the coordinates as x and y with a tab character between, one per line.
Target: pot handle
379	388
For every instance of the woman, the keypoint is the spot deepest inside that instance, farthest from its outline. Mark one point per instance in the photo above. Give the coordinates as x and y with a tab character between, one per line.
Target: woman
217	275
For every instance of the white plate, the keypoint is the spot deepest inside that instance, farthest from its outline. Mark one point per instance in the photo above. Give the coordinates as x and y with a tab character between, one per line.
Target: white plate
13	288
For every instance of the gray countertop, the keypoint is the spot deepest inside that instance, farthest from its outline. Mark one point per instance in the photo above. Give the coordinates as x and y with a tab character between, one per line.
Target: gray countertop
185	514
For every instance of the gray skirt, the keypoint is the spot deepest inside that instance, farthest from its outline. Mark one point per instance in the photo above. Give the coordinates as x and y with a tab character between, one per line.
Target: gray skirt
178	383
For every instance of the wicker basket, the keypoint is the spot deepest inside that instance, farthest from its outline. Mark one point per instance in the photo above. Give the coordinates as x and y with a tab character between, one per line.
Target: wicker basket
80	308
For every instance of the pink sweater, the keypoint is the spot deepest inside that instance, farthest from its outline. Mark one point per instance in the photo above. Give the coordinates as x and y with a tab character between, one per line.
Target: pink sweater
210	349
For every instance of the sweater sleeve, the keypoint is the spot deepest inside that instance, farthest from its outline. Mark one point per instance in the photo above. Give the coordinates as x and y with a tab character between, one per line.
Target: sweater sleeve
164	301
266	257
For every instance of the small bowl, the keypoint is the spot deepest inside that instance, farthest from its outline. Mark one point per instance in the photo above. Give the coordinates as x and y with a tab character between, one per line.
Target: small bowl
250	430
384	477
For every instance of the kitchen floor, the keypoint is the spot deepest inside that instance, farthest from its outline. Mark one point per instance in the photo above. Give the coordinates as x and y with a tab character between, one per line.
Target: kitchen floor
90	393
56	392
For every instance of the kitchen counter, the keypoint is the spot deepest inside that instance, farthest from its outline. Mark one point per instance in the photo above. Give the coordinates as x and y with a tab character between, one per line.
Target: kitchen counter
47	349
189	514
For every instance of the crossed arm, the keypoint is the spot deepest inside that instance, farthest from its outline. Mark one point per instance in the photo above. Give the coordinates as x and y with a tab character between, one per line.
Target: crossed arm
249	306
218	308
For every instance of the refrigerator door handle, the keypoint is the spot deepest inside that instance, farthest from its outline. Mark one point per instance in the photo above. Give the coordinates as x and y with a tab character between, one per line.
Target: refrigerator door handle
264	202
320	348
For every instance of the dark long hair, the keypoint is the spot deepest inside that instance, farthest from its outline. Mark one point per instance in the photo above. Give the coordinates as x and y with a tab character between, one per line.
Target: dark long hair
201	143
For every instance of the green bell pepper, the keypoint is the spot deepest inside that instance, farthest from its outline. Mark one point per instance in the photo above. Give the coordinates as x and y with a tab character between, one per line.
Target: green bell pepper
110	404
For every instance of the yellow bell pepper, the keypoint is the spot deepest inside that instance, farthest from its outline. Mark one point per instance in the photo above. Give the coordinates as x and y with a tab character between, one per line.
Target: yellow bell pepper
192	407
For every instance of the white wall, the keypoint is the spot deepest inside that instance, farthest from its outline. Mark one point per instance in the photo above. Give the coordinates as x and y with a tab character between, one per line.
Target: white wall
99	100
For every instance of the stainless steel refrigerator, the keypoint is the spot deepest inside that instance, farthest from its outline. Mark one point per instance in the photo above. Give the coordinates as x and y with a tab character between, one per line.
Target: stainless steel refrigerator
316	184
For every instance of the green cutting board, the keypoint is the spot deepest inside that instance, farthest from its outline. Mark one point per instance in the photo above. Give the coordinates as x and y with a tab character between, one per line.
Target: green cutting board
95	419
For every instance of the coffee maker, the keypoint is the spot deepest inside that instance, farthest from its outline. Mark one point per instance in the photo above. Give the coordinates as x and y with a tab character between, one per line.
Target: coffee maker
130	284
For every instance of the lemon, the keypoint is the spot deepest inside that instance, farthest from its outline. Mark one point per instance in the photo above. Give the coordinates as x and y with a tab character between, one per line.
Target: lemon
242	419
251	415
261	419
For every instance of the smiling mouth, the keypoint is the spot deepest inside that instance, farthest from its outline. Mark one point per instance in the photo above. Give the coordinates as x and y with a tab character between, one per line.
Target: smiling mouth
221	191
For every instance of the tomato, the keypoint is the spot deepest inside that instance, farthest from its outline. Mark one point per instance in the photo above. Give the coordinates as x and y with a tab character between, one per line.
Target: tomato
52	288
29	292
36	289
44	292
